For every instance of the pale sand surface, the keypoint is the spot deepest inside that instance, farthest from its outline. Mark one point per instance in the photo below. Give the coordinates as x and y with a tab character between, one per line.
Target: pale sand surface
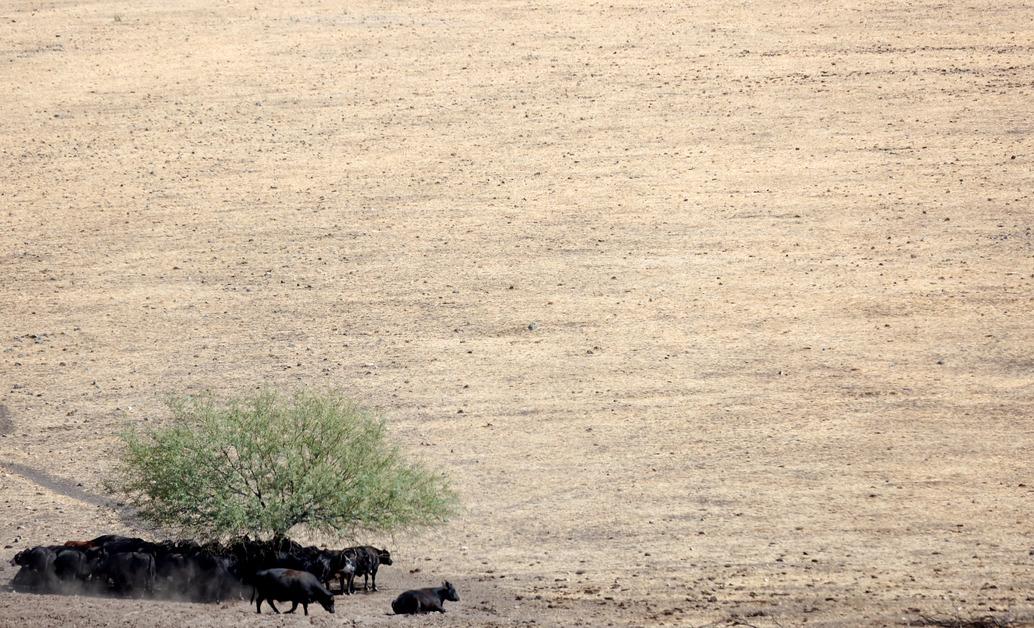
779	256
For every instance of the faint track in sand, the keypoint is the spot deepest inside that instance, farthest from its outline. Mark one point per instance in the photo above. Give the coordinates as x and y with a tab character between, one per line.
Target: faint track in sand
42	478
54	484
47	481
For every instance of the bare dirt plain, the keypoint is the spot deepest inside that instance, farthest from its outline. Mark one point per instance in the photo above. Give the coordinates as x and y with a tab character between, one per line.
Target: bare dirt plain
778	257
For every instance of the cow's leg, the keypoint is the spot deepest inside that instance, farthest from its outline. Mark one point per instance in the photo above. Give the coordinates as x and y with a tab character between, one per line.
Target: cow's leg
258	605
273	606
294	606
373	577
305	609
366	581
351	583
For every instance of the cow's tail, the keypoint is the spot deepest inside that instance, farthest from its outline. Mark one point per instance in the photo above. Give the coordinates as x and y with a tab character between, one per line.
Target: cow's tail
152	574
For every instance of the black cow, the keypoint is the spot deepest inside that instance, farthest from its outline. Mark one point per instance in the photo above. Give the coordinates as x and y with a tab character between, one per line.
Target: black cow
103	539
425	600
37	567
176	573
253	556
319	563
174	566
128	572
250	556
367	559
38	558
114	544
215	580
290	585
72	564
199	573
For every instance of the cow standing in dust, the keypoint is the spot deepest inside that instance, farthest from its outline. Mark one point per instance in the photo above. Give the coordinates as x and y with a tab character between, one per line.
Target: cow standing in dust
290	585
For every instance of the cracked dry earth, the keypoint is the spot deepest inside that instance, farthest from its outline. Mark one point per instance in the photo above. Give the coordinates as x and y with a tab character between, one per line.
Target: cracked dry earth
716	312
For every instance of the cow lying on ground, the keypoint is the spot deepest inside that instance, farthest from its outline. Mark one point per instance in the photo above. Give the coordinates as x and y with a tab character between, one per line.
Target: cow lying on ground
427	600
290	585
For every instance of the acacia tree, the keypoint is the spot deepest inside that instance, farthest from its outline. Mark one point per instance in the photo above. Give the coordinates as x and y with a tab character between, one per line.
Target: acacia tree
263	464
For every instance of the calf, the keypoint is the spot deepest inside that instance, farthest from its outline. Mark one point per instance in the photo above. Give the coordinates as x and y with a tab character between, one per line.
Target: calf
343	566
290	585
367	559
425	600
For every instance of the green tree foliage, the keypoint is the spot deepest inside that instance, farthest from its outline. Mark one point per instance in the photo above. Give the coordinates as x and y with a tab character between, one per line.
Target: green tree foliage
263	464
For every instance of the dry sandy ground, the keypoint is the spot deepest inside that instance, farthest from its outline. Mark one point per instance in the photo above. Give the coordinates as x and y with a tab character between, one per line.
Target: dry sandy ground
778	257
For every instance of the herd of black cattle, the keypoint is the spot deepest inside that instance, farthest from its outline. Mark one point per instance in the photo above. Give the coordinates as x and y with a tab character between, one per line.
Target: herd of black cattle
270	571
